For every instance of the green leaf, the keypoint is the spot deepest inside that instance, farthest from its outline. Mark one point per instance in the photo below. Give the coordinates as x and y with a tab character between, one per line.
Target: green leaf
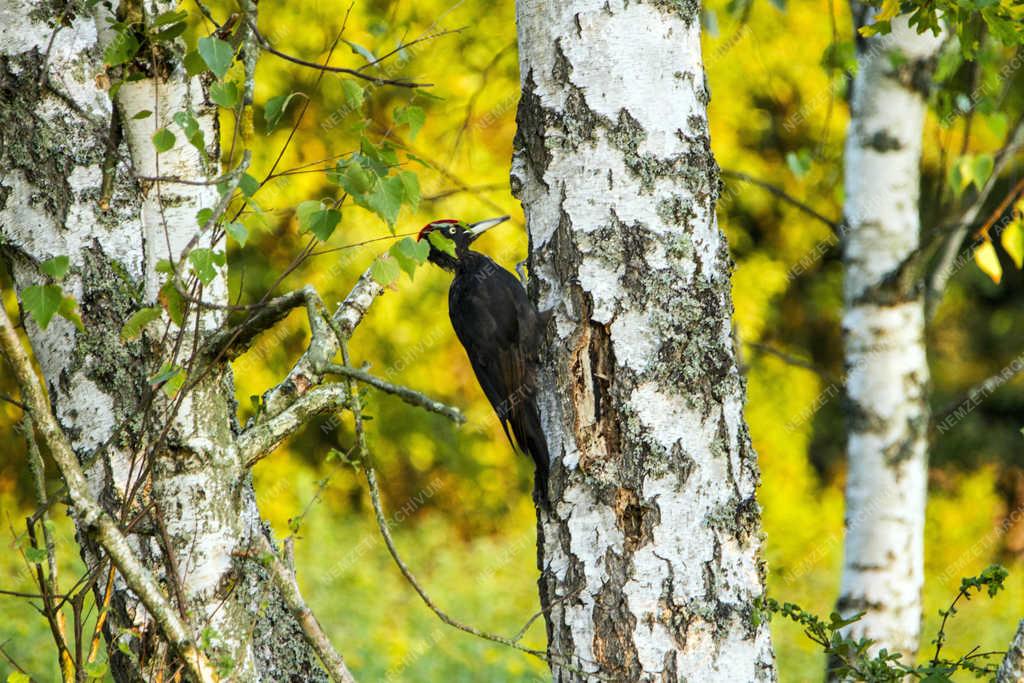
144	114
405	262
217	54
124	46
96	669
248	185
56	267
169	33
377	159
384	271
441	243
171	377
224	93
275	108
385	199
36	555
960	175
799	162
354	179
305	210
238	232
1012	240
841	56
202	263
138	320
68	310
320	222
203	216
172	301
42	301
18	677
981	169
353	93
194	63
163	140
410	188
417	250
171	17
190	127
361	51
988	260
998	123
412	116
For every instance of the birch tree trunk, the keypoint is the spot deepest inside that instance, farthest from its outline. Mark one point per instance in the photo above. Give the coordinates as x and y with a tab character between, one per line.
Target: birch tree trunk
1012	668
884	330
649	558
70	160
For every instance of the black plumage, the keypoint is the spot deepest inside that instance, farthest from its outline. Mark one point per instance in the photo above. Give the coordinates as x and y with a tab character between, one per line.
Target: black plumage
500	330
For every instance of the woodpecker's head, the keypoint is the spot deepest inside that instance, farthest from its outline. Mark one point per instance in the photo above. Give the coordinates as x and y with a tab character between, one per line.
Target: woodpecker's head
452	231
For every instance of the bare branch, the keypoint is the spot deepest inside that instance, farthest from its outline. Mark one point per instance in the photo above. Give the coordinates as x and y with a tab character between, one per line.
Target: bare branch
411	397
267	47
48	584
794	361
259	440
91	517
959	229
385	531
285	581
323	345
982	388
783	195
233	342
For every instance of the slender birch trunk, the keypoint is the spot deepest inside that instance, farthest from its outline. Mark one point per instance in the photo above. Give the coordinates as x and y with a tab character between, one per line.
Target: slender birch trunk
649	558
884	329
70	160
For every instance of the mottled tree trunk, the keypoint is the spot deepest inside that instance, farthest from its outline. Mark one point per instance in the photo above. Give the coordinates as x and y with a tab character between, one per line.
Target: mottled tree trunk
1012	668
884	330
70	160
649	558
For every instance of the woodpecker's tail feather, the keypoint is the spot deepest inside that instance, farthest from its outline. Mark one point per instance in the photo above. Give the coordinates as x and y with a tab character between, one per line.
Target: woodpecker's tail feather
524	420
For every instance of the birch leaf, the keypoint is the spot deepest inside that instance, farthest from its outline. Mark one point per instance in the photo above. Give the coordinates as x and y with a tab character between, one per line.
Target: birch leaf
56	267
1012	240
138	320
987	259
42	301
384	271
217	54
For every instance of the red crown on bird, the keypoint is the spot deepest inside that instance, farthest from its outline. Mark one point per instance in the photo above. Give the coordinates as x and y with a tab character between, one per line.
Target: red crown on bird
433	224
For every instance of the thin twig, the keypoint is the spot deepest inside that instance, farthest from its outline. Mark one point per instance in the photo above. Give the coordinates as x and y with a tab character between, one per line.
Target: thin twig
783	195
794	361
411	397
267	47
285	581
91	516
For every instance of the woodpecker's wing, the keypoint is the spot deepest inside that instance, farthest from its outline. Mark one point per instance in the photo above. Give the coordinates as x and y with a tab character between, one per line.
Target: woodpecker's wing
498	327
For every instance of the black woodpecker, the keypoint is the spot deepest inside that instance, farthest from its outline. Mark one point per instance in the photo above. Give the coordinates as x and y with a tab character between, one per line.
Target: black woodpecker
500	330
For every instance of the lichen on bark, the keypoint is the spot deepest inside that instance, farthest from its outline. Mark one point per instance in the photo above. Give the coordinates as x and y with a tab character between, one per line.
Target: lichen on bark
649	558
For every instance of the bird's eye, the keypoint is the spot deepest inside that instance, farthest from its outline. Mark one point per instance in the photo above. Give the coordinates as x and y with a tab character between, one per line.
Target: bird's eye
451	231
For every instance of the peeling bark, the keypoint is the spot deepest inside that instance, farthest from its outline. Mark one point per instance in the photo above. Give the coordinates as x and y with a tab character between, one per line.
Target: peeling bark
196	510
884	331
649	558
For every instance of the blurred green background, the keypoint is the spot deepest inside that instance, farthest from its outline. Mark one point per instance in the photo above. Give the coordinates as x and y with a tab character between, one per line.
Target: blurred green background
459	497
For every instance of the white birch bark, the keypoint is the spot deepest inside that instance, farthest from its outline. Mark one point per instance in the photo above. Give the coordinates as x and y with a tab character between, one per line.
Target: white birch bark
884	330
55	121
1012	668
649	560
